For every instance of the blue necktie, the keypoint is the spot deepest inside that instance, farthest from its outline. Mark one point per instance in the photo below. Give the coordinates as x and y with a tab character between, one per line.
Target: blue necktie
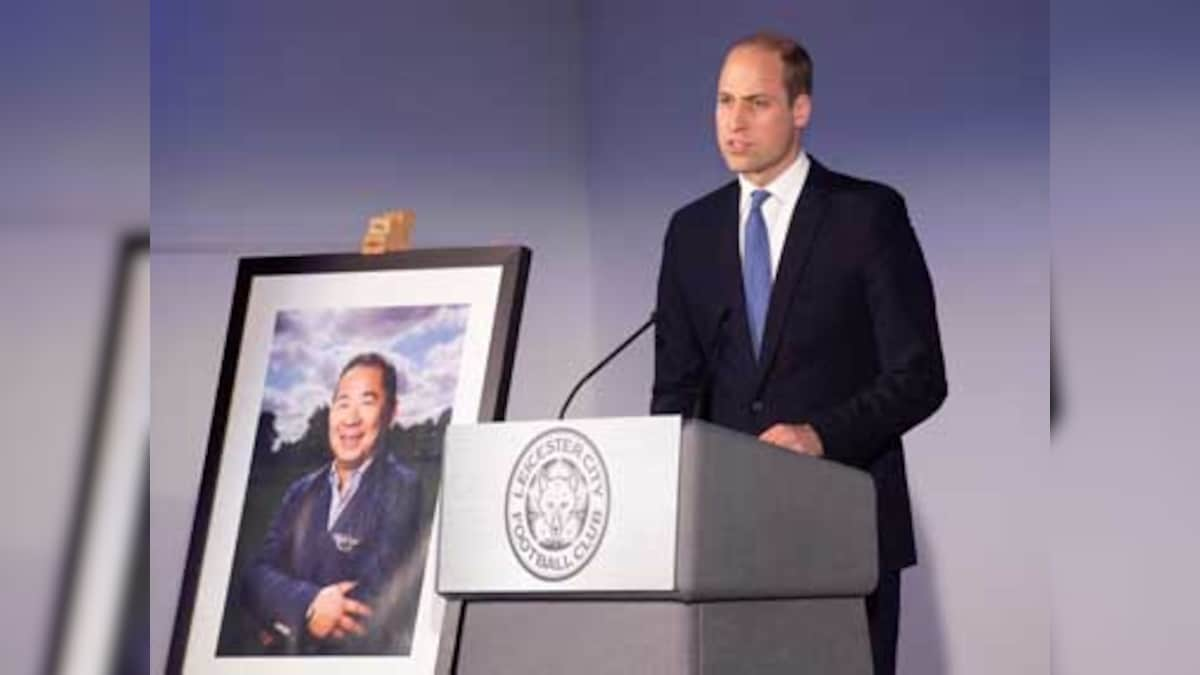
756	269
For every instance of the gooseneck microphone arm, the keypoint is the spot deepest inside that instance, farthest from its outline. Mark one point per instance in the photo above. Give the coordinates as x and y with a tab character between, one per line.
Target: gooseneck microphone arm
620	348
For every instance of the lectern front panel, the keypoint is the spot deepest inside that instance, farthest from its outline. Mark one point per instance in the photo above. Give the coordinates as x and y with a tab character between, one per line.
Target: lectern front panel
576	506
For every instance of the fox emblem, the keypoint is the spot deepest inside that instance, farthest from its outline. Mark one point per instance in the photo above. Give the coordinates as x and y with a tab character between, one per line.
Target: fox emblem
557	504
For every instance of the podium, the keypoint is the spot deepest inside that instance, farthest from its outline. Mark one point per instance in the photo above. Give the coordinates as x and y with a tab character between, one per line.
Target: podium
650	545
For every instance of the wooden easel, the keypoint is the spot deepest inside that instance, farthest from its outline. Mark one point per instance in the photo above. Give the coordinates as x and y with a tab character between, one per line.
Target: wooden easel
388	232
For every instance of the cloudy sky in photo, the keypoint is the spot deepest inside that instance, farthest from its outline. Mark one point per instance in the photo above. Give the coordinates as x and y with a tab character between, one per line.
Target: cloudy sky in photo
310	347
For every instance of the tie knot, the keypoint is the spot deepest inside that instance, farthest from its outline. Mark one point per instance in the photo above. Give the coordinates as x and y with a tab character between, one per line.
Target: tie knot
758	197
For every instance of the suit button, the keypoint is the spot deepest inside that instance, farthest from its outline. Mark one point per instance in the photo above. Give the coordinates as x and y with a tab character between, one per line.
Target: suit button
757	406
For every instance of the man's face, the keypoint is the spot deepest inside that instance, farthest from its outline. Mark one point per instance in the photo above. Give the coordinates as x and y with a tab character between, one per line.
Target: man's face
756	125
356	415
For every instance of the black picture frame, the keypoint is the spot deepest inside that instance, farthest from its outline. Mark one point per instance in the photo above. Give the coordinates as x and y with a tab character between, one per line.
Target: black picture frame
513	265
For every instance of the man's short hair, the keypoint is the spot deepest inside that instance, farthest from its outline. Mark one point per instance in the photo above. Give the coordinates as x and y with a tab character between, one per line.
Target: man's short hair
797	65
376	360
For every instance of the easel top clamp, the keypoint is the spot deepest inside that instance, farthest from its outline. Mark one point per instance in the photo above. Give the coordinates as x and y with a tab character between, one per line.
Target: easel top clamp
388	232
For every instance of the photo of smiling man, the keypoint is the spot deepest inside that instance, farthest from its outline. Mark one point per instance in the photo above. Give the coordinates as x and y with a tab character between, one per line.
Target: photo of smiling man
323	580
345	469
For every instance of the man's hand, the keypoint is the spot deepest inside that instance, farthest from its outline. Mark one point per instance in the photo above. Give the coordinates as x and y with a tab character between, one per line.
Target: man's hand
799	438
332	614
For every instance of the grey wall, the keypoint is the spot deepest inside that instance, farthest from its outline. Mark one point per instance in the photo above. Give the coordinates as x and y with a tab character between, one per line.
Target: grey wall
1125	532
73	175
576	128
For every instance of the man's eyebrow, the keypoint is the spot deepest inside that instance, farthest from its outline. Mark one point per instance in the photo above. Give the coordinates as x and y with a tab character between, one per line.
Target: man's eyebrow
747	97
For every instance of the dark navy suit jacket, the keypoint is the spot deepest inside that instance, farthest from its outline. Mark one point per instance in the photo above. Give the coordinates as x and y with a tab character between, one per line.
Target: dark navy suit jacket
851	344
372	542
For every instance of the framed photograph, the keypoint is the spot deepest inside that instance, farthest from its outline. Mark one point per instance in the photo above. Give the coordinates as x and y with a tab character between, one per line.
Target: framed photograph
313	547
102	621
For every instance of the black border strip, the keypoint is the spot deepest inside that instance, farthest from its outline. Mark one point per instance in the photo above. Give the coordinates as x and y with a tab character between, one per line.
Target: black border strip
130	246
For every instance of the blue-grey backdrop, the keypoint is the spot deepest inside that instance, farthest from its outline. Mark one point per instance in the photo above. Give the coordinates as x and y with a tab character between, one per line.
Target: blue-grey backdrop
576	128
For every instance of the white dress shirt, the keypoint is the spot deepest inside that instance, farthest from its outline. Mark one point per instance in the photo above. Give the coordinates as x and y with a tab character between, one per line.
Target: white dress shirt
340	499
777	209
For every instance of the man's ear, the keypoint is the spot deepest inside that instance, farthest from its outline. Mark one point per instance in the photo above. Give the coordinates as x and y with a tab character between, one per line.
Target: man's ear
801	111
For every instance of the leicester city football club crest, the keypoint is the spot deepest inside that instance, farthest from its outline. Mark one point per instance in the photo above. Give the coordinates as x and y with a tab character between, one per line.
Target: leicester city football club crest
556	505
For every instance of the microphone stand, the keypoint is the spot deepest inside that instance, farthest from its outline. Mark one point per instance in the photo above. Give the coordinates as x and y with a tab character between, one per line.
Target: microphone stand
620	348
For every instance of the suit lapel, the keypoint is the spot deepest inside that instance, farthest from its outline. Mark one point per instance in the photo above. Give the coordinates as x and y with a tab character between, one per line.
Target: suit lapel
807	219
733	294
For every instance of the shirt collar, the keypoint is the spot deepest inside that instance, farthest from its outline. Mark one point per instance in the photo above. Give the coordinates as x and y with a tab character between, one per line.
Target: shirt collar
355	475
786	186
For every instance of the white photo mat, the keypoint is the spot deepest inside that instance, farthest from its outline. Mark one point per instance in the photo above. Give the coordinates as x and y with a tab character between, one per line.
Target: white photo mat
478	287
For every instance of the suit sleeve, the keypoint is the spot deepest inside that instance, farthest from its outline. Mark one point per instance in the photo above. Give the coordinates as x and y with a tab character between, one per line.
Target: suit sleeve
911	383
678	358
273	595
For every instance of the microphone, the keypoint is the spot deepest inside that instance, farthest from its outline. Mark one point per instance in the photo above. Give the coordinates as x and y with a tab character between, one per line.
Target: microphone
700	405
620	348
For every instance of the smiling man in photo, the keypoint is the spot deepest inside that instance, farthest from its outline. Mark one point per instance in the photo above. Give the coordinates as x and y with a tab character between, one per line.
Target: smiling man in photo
330	576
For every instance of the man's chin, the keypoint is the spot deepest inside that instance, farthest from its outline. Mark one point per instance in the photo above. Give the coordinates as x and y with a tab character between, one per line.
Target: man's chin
739	165
350	461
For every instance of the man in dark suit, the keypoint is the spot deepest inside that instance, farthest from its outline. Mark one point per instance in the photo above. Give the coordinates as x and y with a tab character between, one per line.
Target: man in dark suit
334	574
794	304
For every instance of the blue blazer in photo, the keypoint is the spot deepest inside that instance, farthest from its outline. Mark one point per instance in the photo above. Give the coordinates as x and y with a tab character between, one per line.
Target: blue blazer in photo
373	542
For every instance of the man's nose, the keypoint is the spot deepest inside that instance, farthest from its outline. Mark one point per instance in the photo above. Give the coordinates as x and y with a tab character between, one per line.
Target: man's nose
738	117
